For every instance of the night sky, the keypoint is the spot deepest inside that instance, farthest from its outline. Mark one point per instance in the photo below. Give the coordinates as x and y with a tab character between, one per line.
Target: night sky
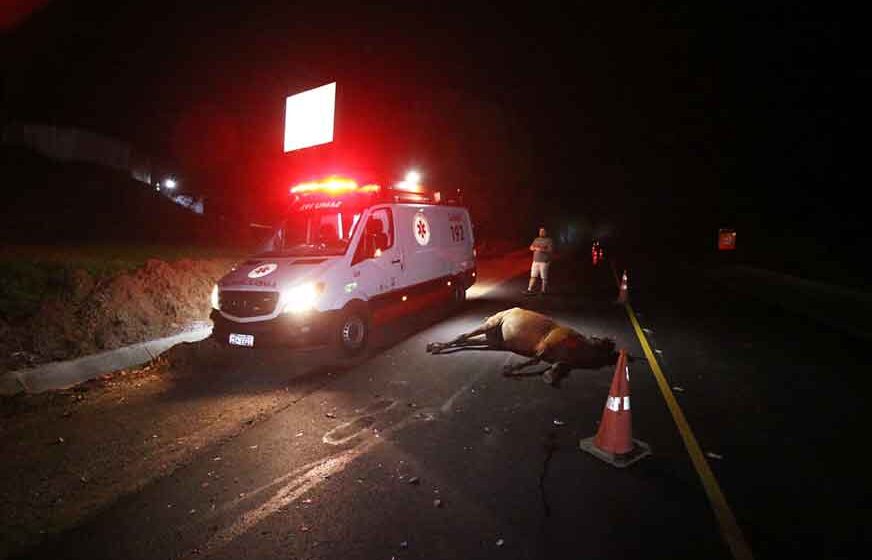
664	120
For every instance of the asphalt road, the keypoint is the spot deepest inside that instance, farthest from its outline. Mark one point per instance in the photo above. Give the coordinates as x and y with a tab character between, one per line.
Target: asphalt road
779	396
409	455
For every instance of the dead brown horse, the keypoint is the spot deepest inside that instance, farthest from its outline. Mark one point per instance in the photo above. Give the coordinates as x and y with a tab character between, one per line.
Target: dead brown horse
538	337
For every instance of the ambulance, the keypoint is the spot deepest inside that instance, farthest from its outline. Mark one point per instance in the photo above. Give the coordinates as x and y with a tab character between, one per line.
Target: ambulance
346	259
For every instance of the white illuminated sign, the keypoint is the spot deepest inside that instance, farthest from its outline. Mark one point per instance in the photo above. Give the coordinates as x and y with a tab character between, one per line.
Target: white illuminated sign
309	117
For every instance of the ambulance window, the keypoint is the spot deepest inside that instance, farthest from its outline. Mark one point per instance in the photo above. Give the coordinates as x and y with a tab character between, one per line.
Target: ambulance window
378	233
354	221
325	232
380	222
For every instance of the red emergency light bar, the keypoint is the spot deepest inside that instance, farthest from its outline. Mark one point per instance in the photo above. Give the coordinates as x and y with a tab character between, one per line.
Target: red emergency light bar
334	186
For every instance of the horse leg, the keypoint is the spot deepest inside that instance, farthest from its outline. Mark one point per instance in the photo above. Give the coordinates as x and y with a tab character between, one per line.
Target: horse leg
553	374
459	342
513	369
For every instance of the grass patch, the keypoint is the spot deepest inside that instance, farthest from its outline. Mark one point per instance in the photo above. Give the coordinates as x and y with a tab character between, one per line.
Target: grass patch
23	285
31	273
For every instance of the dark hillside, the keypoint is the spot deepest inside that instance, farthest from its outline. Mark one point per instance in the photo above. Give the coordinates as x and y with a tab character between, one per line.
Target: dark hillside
50	202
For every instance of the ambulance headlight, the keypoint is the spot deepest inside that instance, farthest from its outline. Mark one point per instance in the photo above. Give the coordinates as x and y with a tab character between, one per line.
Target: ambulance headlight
302	298
214	297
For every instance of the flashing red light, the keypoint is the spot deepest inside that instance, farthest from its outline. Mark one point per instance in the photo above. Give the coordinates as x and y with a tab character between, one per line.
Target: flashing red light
334	186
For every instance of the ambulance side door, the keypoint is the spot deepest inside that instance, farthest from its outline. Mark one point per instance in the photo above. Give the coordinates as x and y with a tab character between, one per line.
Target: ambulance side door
377	263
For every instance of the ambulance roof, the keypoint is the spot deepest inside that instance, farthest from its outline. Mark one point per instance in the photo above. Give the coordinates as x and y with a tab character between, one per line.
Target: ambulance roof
335	192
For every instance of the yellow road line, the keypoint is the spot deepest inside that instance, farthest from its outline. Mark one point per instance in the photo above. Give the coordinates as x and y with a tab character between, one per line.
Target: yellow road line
729	528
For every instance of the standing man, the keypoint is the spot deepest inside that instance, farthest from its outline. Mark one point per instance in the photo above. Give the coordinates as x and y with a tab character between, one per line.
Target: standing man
542	248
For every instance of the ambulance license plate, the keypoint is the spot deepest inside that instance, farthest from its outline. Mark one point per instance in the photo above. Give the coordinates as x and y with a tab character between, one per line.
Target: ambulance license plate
242	339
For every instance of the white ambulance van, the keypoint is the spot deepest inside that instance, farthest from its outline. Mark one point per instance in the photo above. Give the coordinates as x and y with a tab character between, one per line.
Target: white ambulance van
346	259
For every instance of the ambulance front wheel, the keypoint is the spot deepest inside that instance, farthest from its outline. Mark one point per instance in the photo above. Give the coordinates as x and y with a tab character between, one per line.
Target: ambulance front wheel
459	294
351	332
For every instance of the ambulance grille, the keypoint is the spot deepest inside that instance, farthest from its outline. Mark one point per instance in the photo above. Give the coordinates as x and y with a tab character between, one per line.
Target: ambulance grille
247	304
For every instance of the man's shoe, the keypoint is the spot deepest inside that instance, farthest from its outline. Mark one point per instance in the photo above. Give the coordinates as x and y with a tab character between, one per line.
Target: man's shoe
528	292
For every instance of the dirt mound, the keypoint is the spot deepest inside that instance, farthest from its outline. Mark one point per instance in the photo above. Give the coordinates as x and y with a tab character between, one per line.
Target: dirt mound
88	316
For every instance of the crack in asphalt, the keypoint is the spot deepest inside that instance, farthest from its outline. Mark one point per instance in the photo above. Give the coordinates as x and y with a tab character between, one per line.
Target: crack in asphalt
550	448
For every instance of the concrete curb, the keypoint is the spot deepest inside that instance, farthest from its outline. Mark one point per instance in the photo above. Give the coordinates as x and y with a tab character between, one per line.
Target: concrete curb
62	375
66	374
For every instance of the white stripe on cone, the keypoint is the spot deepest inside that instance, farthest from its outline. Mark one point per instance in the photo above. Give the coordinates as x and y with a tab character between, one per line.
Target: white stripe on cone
614	403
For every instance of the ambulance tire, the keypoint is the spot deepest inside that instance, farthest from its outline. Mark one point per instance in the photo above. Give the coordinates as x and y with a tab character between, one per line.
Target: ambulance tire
351	330
459	297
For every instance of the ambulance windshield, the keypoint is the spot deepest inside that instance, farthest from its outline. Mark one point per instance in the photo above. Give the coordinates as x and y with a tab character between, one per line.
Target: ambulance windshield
321	232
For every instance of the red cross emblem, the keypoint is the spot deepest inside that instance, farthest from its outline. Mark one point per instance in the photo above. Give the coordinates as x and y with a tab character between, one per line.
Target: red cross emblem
421	230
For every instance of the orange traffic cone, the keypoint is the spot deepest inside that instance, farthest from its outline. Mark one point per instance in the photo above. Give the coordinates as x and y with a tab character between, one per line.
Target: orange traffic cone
623	296
613	442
